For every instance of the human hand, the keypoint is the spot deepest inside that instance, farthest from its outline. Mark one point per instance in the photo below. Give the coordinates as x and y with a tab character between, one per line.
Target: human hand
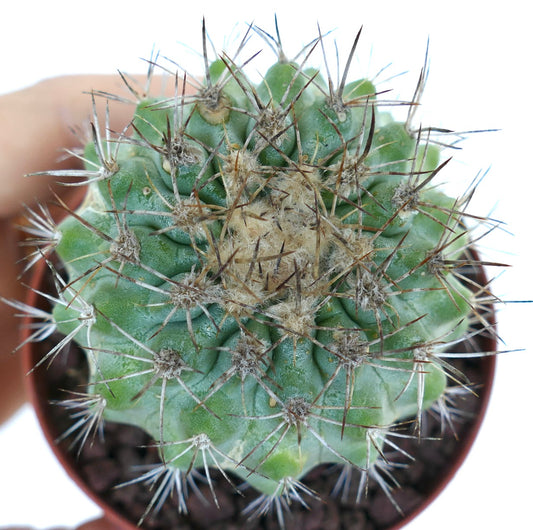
35	128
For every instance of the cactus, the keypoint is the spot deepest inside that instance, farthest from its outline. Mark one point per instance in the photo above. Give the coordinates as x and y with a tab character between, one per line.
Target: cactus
264	276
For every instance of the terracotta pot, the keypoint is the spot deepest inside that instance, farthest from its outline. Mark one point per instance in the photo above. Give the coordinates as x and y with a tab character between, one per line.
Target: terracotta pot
429	479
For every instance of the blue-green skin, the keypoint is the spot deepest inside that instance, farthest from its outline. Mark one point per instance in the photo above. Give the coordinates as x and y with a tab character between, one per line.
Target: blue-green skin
422	313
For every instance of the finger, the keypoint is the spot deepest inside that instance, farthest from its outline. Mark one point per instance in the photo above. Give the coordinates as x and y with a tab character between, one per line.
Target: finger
12	384
37	125
11	377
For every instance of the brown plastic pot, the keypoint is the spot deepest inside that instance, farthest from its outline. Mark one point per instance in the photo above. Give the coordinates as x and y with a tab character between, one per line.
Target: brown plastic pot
44	384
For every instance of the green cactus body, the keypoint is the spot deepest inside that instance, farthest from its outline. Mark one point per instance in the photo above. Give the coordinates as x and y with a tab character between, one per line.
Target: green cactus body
263	272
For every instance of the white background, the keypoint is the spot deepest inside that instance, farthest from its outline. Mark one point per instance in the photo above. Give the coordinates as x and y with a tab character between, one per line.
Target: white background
480	53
